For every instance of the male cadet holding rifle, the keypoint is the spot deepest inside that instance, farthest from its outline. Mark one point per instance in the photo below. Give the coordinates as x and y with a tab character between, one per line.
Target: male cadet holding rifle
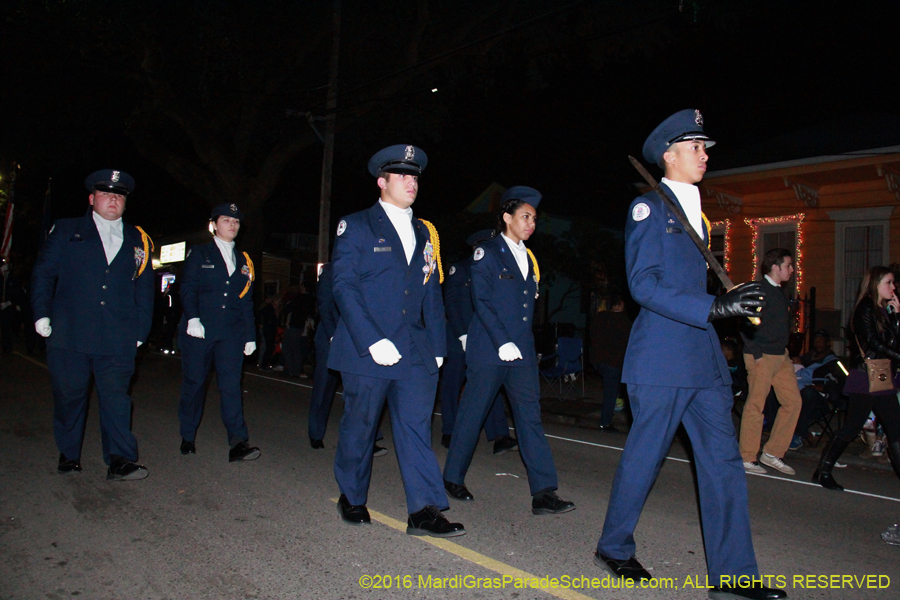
389	343
676	373
92	297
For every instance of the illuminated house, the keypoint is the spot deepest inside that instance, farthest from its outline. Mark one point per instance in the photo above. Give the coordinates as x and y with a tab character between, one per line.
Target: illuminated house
835	210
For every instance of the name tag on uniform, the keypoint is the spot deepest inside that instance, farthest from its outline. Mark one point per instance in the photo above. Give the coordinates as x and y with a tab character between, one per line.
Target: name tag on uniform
382	249
672	230
207	266
506	277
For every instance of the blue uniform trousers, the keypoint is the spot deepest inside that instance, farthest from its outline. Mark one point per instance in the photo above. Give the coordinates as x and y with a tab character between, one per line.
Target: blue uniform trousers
409	406
706	415
325	384
452	379
70	374
197	355
524	391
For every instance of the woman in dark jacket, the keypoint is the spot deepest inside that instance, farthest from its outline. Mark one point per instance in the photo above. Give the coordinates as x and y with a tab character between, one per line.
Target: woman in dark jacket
876	328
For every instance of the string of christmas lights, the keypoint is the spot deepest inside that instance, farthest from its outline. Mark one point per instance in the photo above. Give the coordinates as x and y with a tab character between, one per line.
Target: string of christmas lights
798	241
727	249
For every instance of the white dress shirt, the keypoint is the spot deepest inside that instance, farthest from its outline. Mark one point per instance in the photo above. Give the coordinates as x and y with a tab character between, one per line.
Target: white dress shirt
688	196
401	218
227	250
110	234
520	253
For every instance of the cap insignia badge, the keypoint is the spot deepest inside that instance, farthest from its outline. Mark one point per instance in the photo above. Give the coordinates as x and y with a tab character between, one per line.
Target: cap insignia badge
698	118
233	208
115	177
410	152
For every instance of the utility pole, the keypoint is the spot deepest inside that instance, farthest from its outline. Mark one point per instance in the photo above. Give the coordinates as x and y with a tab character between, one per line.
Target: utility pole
328	138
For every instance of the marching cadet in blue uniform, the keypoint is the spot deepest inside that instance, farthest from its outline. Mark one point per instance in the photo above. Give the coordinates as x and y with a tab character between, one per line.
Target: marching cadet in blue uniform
389	343
460	311
325	381
676	373
92	283
217	326
500	352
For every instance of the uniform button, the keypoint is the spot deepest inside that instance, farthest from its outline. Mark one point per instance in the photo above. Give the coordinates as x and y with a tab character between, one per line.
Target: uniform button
104	287
103	303
525	305
227	282
404	311
226	293
524	318
107	270
223	306
406	292
525	291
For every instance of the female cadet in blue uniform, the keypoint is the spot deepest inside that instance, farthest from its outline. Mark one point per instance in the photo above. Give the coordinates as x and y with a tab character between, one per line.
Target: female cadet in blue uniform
500	352
676	372
217	325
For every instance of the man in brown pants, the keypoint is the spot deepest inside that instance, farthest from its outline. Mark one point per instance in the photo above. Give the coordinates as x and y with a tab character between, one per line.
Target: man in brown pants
768	366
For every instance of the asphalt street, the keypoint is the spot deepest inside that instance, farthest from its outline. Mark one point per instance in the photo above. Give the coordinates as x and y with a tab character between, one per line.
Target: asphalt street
203	528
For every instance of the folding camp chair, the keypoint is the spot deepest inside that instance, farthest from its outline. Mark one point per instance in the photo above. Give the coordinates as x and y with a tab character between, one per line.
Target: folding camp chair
562	369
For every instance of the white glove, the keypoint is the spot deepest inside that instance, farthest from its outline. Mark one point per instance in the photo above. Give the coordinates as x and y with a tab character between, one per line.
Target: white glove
462	339
42	326
509	352
139	344
196	329
440	360
384	352
249	348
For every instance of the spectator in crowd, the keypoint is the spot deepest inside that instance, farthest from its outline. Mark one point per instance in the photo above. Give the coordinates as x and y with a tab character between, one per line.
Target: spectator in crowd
610	330
876	332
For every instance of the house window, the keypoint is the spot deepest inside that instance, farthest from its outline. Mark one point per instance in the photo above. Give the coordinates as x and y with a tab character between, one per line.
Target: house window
720	242
863	248
779	232
861	241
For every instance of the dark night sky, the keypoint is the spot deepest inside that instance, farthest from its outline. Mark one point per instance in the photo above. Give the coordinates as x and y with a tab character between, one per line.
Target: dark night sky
781	67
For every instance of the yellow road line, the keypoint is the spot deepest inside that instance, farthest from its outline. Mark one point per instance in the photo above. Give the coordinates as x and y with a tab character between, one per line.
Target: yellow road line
475	557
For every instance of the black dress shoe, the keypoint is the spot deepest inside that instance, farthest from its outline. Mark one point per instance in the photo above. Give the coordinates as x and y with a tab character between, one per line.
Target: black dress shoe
188	447
548	503
316	444
122	469
353	514
445	440
379	451
505	444
754	592
627	569
430	521
609	428
243	451
67	466
460	492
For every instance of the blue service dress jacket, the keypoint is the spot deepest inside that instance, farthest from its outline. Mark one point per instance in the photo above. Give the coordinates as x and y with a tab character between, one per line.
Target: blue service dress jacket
458	302
672	344
94	307
222	302
325	306
504	306
379	296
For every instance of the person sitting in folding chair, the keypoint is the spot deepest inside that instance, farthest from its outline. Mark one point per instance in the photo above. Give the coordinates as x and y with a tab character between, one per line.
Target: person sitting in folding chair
821	381
500	352
564	366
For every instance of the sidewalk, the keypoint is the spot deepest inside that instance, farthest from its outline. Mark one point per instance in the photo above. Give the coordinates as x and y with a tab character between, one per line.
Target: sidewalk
584	411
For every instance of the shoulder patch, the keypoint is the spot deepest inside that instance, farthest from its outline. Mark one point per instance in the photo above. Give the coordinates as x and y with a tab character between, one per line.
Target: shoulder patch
479	254
452	270
342	227
640	212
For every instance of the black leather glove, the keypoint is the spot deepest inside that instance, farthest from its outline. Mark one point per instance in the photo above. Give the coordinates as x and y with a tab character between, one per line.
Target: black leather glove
745	300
